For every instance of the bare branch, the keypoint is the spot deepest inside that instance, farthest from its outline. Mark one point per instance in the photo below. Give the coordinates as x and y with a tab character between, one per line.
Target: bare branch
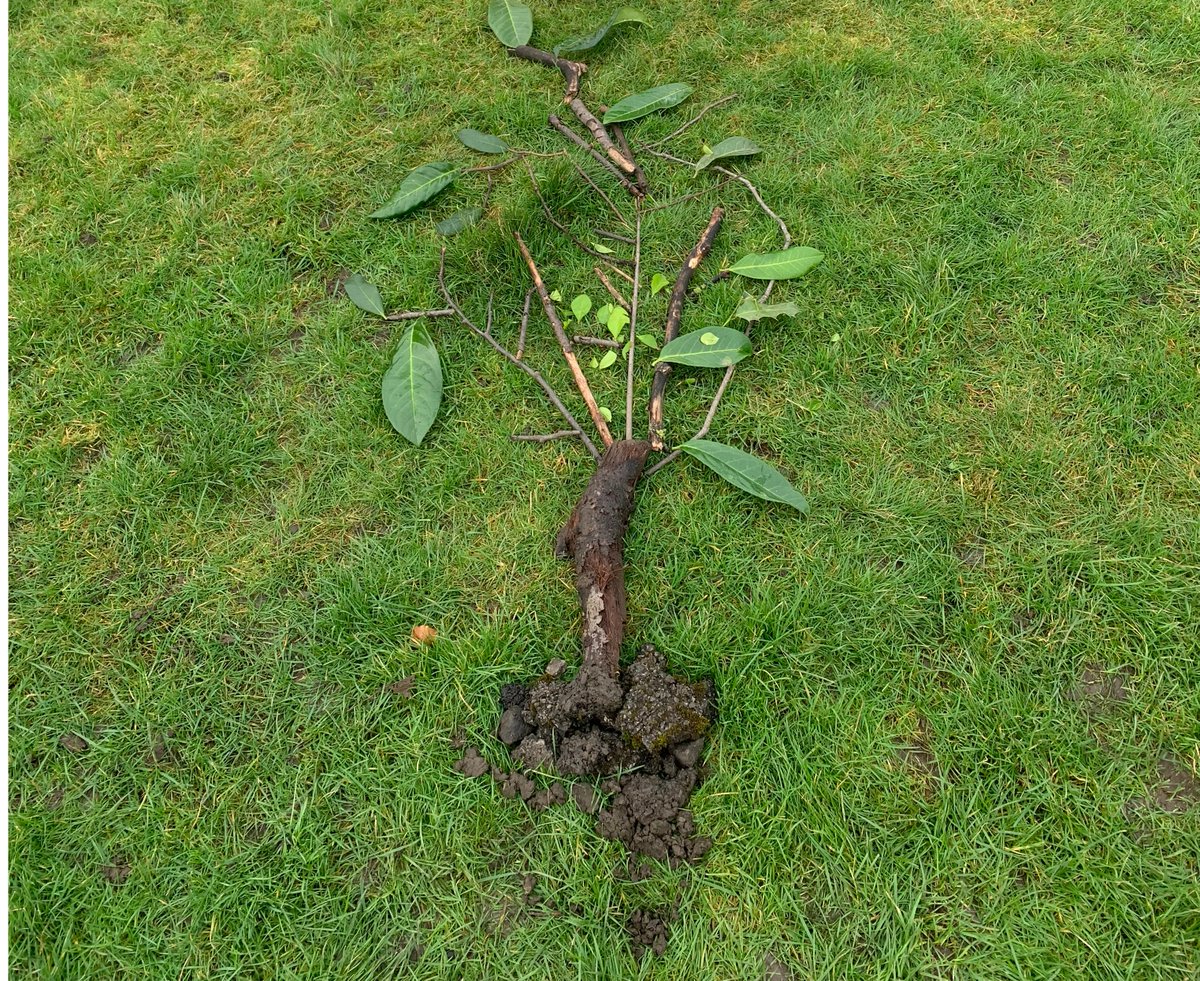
612	290
544	437
624	275
599	157
692	122
639	176
565	230
633	312
687	197
509	356
564	342
491	299
785	233
587	341
601	233
524	324
417	314
662	371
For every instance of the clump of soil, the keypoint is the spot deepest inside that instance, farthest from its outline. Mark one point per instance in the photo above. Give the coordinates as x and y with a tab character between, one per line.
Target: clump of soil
648	930
642	745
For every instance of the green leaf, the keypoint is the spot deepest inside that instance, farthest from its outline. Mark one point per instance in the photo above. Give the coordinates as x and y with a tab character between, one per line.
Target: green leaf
417	188
751	310
717	347
364	296
481	141
648	339
603	314
735	146
644	103
602	249
778	265
609	359
748	472
618	320
556	296
511	21
581	305
658	283
606	412
458	221
412	386
626	15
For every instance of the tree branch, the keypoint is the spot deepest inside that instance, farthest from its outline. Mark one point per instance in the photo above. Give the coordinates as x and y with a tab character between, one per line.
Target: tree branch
564	342
544	437
509	356
693	121
612	290
674	317
417	314
599	157
633	312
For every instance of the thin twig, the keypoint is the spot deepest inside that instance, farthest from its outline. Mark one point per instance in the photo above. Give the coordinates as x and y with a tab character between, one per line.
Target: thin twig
692	122
565	230
587	341
612	290
596	187
564	342
599	157
601	233
624	275
492	168
417	314
633	312
488	329
662	371
639	176
509	356
524	325
687	197
544	437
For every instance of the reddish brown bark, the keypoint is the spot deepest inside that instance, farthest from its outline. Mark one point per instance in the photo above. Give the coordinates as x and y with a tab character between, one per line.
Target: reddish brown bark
662	371
594	536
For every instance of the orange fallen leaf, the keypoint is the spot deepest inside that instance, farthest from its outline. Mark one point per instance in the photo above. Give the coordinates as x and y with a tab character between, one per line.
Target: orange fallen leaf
424	635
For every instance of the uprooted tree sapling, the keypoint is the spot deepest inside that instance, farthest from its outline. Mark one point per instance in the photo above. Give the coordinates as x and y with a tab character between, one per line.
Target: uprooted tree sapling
634	733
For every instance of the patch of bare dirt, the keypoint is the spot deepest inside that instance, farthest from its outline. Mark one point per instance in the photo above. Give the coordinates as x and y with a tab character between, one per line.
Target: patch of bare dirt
1097	689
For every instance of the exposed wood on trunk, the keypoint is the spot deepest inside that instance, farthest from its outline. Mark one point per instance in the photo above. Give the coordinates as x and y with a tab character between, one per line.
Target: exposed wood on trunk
594	537
662	371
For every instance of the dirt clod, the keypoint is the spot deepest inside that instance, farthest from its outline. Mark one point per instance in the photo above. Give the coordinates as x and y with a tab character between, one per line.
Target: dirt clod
1178	789
472	764
648	930
116	871
651	732
72	742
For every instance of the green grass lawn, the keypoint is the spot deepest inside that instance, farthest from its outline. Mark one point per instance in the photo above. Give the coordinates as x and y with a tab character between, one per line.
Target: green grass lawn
949	698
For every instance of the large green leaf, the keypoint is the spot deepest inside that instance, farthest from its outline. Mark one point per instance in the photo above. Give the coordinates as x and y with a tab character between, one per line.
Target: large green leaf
417	188
748	472
364	296
412	386
483	142
714	347
626	15
778	265
511	21
644	103
458	221
750	310
735	146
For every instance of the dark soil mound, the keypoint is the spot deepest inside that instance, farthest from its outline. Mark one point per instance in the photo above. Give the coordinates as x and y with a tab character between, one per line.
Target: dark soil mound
632	745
